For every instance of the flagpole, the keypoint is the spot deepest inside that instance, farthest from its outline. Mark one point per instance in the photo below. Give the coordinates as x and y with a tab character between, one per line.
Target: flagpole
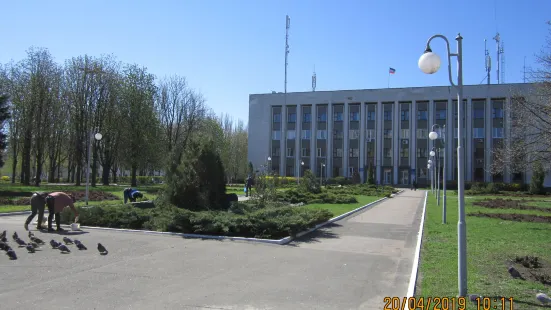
388	86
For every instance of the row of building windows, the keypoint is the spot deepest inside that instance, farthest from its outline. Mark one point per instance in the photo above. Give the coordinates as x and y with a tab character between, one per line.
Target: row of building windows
353	134
497	113
355	152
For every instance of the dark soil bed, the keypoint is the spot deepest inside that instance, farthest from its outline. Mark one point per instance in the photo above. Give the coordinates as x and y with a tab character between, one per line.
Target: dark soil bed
532	268
514	217
508	204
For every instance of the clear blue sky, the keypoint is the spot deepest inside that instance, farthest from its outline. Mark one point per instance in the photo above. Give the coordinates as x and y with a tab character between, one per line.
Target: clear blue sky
232	48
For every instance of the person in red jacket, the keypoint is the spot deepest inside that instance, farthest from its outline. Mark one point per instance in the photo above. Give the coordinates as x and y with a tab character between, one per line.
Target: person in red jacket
56	202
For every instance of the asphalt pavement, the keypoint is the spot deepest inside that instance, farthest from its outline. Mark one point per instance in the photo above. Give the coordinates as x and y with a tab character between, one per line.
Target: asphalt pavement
353	264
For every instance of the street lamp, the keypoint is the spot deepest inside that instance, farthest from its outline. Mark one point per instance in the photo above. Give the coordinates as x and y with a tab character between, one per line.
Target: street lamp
429	63
300	171
433	155
433	135
322	165
270	163
98	137
431	173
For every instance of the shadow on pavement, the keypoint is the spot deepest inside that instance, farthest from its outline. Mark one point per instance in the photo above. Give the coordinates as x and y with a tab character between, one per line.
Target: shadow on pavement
317	235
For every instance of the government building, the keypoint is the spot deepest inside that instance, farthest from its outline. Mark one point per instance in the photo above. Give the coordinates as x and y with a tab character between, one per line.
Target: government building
338	133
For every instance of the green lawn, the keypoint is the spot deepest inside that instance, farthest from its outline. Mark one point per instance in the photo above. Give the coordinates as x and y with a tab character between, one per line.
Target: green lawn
338	209
491	245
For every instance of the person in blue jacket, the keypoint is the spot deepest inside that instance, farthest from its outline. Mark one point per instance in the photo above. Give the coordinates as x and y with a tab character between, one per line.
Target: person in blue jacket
131	194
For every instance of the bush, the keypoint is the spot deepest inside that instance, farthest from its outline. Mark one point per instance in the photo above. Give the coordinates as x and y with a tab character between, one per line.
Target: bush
298	196
309	183
538	177
339	181
271	222
5	178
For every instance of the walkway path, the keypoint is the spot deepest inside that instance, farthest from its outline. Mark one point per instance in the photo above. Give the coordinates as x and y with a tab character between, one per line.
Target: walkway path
352	265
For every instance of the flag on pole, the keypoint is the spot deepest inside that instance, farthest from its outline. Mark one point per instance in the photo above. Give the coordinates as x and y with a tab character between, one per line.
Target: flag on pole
391	70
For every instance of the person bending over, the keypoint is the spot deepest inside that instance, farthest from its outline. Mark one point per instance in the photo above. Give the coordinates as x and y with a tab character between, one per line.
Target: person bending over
131	194
38	204
56	202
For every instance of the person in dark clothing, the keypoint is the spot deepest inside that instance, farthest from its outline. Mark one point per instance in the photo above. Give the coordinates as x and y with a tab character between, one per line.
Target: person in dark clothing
131	194
248	185
56	202
38	204
414	184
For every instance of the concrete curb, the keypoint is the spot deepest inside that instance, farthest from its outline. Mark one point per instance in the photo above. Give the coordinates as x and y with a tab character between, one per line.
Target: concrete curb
417	254
269	241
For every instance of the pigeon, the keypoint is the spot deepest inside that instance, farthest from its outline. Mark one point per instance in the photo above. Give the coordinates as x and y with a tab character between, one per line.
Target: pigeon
34	244
76	241
37	240
63	248
3	234
15	236
474	298
11	254
31	235
67	240
3	245
54	244
20	242
81	246
544	299
102	250
515	273
4	239
30	248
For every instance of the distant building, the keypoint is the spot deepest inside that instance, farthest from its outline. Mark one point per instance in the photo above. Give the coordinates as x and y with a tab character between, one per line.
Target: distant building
341	132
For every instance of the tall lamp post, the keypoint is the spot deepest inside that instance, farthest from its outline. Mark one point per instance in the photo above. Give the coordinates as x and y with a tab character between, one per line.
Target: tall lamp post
270	164
322	165
430	162
300	171
436	173
429	63
433	135
98	137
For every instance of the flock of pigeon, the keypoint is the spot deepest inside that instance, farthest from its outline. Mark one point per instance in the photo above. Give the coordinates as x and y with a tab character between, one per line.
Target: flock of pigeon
36	243
515	274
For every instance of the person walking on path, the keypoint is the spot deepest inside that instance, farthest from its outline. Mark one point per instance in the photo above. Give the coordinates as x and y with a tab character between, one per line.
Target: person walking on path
248	185
56	202
38	204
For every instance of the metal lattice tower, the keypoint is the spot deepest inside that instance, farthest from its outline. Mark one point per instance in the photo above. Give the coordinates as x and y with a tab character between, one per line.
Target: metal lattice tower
314	80
488	62
287	26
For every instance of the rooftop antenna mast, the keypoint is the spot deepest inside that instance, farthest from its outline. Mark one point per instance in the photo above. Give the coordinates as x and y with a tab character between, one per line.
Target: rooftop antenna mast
488	62
502	52
499	48
314	80
287	26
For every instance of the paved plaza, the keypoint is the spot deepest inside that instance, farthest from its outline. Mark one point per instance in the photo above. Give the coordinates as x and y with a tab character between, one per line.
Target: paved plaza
352	264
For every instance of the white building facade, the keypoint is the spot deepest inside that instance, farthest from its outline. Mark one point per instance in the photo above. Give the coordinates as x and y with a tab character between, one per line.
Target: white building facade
337	133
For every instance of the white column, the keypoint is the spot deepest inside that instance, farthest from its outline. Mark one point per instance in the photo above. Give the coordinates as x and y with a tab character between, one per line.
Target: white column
488	140
346	141
396	126
379	139
298	140
469	142
363	120
413	140
329	145
507	177
430	123
450	140
283	142
313	139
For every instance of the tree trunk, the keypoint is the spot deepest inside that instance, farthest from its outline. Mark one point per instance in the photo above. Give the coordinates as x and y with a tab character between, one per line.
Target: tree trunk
105	174
114	171
52	171
94	167
134	179
78	175
26	163
38	167
14	167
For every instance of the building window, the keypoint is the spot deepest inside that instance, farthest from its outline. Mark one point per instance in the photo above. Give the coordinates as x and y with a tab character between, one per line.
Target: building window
370	134
371	115
497	132
305	152
337	116
291	135
319	152
354	153
350	171
354	116
422	133
404	133
292	118
388	115
338	135
404	152
277	118
440	114
497	112
337	152
387	133
307	117
404	115
322	117
290	152
322	134
276	135
478	133
421	152
422	115
275	151
353	134
478	113
387	152
290	171
306	134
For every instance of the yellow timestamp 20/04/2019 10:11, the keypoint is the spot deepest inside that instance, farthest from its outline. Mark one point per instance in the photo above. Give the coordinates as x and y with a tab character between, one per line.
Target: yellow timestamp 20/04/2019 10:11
446	303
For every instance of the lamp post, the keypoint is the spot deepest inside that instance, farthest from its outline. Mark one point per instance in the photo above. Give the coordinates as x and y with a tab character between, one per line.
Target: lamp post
300	171
270	164
429	63
430	162
321	172
433	135
435	173
98	137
